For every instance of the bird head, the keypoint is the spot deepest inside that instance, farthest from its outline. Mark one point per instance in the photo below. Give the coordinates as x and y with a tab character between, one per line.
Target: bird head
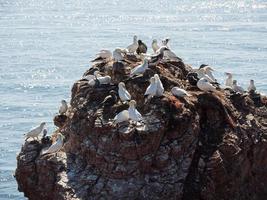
121	85
156	76
228	74
139	42
234	82
165	41
251	81
154	41
63	101
135	38
152	79
42	124
132	103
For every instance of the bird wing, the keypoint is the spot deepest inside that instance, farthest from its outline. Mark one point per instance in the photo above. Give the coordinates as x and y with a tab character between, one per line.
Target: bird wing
138	69
132	48
124	94
211	76
34	132
171	55
122	116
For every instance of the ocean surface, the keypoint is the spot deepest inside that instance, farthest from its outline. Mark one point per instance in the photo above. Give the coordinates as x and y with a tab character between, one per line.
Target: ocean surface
45	45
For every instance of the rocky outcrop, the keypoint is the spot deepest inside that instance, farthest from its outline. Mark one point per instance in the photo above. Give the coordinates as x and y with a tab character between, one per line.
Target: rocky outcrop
207	146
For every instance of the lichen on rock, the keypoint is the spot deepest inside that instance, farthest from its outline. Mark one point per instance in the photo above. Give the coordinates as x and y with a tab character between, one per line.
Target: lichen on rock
200	147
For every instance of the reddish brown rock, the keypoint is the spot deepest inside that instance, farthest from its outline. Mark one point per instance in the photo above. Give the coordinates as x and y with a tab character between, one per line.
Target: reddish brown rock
208	146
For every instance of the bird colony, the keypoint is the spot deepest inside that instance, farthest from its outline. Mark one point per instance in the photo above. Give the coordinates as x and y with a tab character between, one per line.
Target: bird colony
201	79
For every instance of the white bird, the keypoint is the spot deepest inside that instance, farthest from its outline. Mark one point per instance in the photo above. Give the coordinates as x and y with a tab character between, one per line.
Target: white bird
201	73
123	93
101	80
92	76
152	88
118	54
132	48
103	55
204	85
179	92
35	132
229	80
155	45
251	86
63	108
121	117
160	88
208	71
56	146
237	88
140	69
133	112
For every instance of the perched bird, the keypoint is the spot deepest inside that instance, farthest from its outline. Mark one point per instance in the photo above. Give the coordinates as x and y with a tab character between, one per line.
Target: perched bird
179	92
110	100
63	108
100	80
204	85
54	148
140	69
121	117
201	73
123	93
35	132
155	45
152	88
142	48
133	112
165	41
169	55
103	55
132	48
160	88
159	55
192	78
251	87
229	80
237	88
118	54
208	71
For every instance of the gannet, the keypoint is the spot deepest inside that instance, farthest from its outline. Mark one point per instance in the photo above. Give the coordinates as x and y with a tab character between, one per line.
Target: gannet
251	87
132	48
142	48
140	69
229	80
152	88
179	92
63	108
103	55
208	71
204	85
123	93
101	80
201	73
118	54
237	88
35	132
160	88
121	117
155	45
133	112
56	146
158	55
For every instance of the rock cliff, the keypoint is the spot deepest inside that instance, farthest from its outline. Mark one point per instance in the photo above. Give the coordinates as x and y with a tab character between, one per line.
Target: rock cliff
207	146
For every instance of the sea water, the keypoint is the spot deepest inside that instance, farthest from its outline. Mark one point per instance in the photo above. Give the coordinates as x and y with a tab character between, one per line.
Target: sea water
45	45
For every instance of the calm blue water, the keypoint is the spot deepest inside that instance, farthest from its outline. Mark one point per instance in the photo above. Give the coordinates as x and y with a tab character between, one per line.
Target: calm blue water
45	46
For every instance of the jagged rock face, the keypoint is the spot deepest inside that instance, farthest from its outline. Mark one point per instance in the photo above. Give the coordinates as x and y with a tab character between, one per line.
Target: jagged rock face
208	146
